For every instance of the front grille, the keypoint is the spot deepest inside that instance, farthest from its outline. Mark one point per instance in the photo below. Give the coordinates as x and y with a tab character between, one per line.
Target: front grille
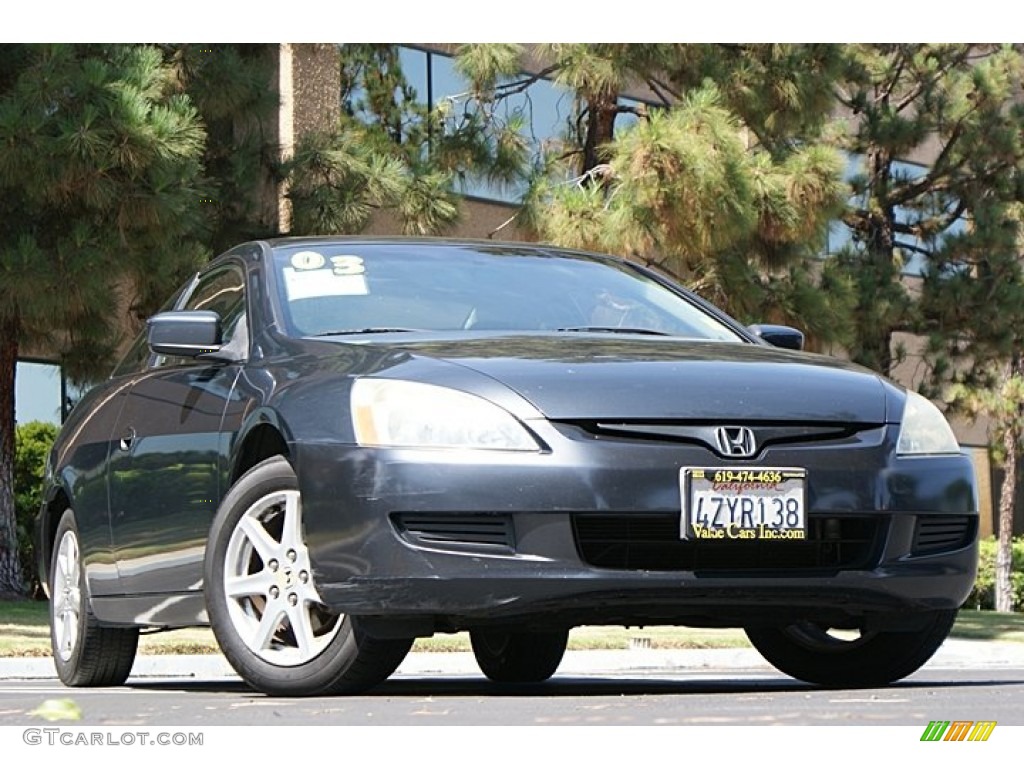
765	435
942	533
457	530
651	542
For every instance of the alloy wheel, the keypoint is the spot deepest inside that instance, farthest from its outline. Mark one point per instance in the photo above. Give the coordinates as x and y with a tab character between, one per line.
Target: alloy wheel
66	595
273	603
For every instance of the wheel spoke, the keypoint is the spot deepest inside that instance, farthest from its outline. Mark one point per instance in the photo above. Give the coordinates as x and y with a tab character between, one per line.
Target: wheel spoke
59	630
251	584
269	624
261	541
73	556
66	566
302	628
291	535
70	628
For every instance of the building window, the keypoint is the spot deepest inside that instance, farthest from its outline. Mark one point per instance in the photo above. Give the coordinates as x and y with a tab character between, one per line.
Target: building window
543	111
39	392
43	393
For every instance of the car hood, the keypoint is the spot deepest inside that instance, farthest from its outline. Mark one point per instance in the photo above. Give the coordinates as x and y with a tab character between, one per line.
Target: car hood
639	378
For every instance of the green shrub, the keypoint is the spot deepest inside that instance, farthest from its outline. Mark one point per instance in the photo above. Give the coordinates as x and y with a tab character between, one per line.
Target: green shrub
983	594
32	442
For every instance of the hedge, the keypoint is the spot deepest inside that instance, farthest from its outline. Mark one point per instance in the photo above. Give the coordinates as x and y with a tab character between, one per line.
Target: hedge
983	594
32	441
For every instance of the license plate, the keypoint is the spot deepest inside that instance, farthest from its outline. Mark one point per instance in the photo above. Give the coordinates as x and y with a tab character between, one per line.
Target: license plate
731	504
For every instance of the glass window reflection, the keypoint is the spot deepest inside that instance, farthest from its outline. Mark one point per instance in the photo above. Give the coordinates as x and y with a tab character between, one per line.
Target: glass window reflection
37	392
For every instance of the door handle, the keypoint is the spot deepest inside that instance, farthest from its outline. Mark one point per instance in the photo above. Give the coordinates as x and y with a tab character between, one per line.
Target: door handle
127	439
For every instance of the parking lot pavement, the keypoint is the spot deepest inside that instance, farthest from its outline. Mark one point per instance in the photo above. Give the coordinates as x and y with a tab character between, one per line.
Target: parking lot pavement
954	654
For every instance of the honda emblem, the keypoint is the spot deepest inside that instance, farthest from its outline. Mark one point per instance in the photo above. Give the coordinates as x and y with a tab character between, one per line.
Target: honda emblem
736	442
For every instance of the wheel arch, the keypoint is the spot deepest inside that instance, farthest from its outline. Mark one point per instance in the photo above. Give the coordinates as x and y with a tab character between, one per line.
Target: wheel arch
264	438
58	500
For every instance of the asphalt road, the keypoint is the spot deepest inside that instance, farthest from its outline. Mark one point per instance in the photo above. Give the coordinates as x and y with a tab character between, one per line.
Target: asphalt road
965	681
651	698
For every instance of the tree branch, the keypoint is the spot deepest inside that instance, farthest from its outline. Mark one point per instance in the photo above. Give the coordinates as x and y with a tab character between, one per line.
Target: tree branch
846	99
930	181
622	109
510	89
888	90
915	248
661	88
497	229
928	83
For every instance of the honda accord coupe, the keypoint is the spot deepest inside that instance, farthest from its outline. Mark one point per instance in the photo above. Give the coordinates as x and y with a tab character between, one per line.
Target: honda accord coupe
325	448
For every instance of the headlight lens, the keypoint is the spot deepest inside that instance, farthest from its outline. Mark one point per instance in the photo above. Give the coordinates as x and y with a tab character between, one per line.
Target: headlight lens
924	429
407	414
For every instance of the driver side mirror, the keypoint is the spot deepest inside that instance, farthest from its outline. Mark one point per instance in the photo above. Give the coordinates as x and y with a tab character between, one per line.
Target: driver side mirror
186	333
779	336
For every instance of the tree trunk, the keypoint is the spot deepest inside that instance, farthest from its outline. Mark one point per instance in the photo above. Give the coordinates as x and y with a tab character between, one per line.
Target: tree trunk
10	564
11	581
600	128
874	337
1004	550
879	307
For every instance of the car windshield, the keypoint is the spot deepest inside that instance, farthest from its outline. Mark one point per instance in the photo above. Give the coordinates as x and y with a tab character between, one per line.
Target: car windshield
363	288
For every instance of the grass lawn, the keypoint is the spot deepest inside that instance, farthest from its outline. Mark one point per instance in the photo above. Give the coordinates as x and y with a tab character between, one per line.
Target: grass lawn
24	632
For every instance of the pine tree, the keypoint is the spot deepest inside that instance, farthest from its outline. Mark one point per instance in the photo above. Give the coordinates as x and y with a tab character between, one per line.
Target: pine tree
123	167
391	151
973	300
99	162
954	109
723	181
1002	402
231	87
956	218
371	160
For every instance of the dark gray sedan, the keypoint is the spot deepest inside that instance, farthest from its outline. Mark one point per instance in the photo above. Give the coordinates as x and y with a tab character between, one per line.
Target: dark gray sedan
326	448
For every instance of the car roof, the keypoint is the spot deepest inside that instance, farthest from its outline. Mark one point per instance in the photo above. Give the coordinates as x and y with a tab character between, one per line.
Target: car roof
477	243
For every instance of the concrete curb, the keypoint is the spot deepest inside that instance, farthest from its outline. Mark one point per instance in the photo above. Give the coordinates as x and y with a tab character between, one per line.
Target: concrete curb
954	654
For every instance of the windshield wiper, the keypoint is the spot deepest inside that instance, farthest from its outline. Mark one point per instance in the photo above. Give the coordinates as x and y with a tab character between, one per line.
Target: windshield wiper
612	329
353	331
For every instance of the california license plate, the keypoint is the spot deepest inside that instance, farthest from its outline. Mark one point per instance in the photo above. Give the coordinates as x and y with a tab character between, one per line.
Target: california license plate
734	503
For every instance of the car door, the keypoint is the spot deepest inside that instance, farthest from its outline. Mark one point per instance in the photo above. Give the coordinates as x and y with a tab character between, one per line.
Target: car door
168	447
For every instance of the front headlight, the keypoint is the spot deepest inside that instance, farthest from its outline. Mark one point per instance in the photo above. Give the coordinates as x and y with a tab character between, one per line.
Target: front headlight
407	414
924	429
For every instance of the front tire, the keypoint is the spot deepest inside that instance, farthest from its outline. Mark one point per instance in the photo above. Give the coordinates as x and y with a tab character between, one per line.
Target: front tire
263	603
518	657
811	653
84	653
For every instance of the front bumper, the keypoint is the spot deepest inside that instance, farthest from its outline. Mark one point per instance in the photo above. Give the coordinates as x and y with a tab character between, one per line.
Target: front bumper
530	567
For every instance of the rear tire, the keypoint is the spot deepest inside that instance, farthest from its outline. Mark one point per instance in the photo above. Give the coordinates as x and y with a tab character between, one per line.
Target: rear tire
518	657
85	653
263	603
808	652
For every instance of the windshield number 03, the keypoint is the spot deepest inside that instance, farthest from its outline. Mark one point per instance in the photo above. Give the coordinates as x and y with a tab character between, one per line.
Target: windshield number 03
348	265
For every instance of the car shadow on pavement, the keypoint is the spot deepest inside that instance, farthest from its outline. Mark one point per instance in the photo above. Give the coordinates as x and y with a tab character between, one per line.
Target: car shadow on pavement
575	686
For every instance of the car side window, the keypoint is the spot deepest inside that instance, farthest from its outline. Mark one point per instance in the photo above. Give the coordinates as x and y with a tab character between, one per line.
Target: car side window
136	358
222	291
